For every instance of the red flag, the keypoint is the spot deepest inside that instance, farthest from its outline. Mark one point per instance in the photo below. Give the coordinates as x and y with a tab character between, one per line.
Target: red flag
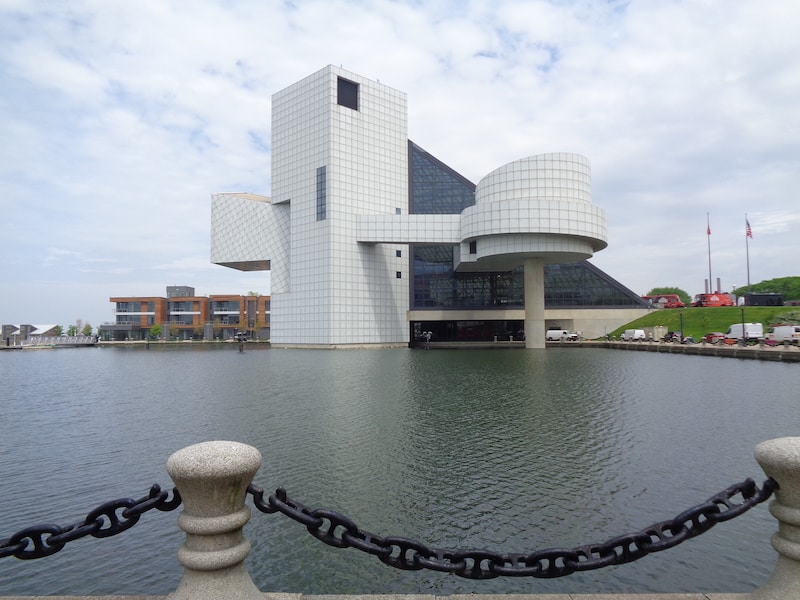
708	230
748	232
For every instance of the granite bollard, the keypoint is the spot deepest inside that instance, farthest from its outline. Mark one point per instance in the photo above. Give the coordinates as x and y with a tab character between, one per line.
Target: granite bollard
212	478
780	459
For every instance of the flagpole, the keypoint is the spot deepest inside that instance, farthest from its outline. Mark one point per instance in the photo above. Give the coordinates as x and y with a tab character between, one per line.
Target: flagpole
708	235
747	234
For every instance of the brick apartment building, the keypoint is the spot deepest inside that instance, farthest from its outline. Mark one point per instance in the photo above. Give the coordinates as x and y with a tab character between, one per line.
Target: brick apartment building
184	316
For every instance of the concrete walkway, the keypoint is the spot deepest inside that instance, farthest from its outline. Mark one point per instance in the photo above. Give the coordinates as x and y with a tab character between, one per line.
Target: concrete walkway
279	596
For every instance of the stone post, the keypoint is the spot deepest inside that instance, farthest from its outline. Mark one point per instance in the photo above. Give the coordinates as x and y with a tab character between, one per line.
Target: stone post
780	459
212	478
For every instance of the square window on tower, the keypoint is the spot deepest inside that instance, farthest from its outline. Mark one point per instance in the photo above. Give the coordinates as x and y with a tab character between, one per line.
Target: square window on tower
347	94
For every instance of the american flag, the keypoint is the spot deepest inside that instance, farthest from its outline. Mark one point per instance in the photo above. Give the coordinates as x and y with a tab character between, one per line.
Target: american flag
748	232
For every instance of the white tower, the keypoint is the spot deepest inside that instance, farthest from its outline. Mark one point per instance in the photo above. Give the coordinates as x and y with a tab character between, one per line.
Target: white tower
339	150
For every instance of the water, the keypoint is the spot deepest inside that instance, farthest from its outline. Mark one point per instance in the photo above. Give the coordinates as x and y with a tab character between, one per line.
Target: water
508	450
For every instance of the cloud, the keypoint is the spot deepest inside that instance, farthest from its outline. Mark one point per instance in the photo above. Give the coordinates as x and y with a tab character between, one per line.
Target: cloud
58	257
121	119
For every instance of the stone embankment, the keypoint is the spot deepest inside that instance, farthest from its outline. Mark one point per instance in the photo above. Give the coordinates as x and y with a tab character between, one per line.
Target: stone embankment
286	596
778	353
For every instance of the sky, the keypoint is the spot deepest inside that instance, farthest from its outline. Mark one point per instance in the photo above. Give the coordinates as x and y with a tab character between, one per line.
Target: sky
118	120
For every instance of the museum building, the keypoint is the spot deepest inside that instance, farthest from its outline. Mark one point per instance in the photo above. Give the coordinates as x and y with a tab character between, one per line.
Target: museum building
372	241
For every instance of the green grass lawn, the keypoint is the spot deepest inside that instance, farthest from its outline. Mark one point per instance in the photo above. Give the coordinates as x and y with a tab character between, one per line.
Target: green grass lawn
699	321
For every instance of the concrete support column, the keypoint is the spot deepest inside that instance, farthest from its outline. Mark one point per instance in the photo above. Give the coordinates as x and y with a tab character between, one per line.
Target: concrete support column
212	478
780	459
534	303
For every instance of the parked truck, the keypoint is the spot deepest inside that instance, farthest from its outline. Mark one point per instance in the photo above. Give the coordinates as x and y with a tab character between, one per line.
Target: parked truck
784	333
745	331
717	299
664	301
560	335
633	335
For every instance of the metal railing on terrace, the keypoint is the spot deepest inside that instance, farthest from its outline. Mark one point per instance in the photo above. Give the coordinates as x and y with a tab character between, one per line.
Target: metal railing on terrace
59	340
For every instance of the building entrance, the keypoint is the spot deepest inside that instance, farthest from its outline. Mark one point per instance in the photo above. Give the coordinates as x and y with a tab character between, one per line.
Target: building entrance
468	331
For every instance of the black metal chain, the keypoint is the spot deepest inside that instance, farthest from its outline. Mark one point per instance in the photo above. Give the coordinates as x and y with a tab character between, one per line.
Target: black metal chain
338	531
106	520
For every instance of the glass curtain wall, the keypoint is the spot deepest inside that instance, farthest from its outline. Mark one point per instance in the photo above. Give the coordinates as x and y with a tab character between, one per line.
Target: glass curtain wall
435	188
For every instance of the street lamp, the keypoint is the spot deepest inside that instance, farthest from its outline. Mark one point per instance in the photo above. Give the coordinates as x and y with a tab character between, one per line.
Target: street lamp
744	331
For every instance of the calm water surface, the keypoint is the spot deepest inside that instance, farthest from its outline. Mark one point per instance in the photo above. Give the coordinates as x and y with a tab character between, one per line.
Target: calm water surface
508	450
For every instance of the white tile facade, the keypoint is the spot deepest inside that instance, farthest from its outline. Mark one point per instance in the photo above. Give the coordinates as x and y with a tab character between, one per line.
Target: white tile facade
237	240
340	292
536	207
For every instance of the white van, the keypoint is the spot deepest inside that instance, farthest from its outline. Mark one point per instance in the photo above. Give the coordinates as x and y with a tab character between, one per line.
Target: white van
784	333
750	331
557	335
630	335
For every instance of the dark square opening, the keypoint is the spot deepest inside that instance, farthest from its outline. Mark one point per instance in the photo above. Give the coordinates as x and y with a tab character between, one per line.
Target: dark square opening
347	94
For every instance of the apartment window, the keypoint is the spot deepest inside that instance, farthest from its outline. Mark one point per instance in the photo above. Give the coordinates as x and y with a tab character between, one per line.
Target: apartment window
347	94
399	274
398	253
398	211
322	194
224	305
473	247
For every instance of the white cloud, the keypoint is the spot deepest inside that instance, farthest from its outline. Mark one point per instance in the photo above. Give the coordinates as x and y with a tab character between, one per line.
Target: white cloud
120	119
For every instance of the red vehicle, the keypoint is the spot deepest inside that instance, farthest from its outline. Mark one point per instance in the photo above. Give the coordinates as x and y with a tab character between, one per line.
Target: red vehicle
715	337
716	299
665	301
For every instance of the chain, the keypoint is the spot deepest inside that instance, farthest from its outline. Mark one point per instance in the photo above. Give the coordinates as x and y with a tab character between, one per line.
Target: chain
338	531
106	520
402	553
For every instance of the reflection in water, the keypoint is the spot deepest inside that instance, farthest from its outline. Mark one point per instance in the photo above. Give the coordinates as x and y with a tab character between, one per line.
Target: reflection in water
509	450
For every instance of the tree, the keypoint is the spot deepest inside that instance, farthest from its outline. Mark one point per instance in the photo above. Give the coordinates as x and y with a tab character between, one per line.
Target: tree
685	298
72	330
59	330
87	329
155	331
788	287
